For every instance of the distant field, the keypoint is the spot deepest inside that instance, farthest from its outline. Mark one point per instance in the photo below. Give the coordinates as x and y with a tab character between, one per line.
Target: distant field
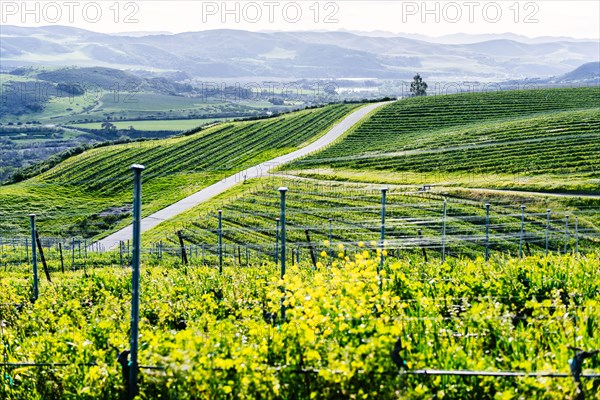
133	101
5	78
127	104
457	139
63	107
158	125
154	102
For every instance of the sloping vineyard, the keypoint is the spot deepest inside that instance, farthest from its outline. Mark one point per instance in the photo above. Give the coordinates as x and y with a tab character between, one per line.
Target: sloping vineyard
533	132
351	214
88	194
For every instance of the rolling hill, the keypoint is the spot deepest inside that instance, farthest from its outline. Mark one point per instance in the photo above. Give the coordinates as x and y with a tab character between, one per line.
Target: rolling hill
542	139
538	139
586	72
90	193
37	93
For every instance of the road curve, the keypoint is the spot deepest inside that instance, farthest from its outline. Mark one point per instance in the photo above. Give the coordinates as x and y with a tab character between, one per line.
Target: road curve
112	241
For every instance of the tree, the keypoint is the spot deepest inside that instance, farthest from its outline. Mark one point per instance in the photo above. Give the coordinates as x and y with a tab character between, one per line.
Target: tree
418	87
276	101
107	126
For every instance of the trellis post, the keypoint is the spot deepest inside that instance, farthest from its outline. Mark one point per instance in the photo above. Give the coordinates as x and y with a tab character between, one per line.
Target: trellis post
547	229
282	191
487	232
34	258
382	243
220	233
135	280
522	233
444	231
566	232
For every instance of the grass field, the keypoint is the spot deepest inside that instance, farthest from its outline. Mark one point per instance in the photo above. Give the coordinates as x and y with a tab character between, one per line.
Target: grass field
156	125
5	78
504	140
127	105
88	194
124	103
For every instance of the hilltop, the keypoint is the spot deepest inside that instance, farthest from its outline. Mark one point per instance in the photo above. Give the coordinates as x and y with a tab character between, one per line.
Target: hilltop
544	140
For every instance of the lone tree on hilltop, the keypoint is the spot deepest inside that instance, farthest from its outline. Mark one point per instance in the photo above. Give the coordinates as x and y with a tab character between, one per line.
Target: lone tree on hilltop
418	87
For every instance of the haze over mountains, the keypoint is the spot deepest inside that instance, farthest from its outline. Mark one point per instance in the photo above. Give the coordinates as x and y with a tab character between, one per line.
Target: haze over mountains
234	54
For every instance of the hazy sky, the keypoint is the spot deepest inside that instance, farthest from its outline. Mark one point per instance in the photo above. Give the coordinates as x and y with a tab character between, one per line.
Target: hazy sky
578	19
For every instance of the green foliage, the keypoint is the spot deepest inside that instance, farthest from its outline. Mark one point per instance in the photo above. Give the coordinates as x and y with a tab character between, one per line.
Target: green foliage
215	335
418	87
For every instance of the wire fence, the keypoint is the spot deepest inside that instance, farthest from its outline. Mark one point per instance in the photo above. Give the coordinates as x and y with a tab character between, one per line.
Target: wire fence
322	220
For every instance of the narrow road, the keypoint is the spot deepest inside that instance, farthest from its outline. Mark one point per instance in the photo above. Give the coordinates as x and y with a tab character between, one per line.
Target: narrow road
112	241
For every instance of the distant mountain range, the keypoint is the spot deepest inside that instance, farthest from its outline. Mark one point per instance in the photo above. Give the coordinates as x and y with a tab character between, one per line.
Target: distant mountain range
465	38
235	54
586	72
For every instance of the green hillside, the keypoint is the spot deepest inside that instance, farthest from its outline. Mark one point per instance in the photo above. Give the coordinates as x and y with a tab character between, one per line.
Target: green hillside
88	194
512	139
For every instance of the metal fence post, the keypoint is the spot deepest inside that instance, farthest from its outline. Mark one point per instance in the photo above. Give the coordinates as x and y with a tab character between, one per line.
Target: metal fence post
566	232
487	231
381	258
220	233
547	229
522	234
330	239
34	258
444	232
282	191
576	235
135	280
276	253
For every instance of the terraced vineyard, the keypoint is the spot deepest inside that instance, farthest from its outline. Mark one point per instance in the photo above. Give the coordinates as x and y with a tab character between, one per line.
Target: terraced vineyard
550	132
89	193
355	213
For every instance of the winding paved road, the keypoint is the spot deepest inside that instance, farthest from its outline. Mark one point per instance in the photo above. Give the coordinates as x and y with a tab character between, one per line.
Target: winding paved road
112	241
